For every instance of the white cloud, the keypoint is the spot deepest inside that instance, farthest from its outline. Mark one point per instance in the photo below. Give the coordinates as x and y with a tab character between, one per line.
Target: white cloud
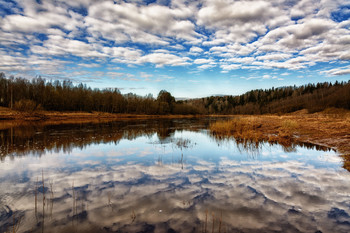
202	61
274	56
195	50
161	59
338	71
145	75
219	13
236	21
285	74
151	24
60	46
243	34
230	66
244	60
206	66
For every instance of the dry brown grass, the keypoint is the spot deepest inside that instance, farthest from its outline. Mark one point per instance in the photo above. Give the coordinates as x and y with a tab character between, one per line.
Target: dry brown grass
241	128
10	118
256	128
330	128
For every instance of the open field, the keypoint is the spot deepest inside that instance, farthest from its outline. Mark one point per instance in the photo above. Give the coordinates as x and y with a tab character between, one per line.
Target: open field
330	128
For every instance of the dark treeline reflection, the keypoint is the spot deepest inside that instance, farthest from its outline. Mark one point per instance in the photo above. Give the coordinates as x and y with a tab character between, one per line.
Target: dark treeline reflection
38	139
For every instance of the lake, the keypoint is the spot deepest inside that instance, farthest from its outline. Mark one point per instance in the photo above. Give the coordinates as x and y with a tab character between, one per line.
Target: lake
168	175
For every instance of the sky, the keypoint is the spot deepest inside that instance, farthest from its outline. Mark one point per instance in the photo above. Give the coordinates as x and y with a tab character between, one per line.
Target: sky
189	48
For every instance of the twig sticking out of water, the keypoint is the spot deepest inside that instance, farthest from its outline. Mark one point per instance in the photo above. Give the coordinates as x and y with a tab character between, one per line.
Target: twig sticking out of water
213	216
133	216
16	224
220	222
110	204
44	198
109	198
51	197
206	220
74	201
36	199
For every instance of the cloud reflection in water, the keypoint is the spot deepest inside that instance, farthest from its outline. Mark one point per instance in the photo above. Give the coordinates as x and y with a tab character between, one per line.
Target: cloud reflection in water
123	187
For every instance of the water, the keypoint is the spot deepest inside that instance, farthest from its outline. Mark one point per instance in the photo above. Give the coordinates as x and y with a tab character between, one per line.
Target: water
165	176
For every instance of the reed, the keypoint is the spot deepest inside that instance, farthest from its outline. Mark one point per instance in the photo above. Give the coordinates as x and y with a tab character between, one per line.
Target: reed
109	195
43	186
51	197
133	216
220	222
74	207
36	199
206	220
256	129
213	225
16	224
240	128
44	200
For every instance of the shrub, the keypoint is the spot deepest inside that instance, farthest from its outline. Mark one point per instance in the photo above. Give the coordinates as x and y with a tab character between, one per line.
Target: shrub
25	105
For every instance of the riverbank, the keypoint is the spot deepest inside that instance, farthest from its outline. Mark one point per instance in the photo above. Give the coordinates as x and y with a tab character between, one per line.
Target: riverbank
11	118
8	114
330	128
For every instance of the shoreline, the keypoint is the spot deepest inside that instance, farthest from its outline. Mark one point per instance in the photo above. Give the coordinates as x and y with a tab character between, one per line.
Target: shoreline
10	118
8	115
329	128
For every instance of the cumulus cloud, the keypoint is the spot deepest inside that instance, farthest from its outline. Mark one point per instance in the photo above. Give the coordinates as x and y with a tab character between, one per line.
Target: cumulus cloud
236	21
161	59
338	71
202	61
255	34
139	23
195	50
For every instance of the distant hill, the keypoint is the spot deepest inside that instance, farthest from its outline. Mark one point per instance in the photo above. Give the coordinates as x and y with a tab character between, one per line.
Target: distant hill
313	97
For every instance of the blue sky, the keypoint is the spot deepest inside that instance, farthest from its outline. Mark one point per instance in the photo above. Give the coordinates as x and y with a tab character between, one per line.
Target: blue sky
190	48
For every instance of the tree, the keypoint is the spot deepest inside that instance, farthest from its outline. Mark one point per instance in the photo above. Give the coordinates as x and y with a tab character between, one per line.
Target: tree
165	102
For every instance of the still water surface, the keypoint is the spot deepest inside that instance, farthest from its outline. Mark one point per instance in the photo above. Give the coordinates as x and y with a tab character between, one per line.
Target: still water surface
165	176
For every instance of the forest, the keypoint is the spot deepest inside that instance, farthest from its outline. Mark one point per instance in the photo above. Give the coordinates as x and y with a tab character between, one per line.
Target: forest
313	97
39	94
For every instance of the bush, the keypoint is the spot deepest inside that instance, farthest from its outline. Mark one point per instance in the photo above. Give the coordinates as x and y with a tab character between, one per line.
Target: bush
26	106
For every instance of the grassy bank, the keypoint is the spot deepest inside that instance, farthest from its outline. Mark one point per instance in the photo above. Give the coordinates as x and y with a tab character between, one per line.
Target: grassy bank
11	118
7	114
330	128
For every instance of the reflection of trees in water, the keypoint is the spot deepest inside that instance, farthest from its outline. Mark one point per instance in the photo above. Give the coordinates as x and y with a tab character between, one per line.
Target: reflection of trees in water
176	144
38	139
250	147
181	144
253	147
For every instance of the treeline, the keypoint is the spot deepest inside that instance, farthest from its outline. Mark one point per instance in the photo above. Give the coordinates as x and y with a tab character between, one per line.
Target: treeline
22	94
313	97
